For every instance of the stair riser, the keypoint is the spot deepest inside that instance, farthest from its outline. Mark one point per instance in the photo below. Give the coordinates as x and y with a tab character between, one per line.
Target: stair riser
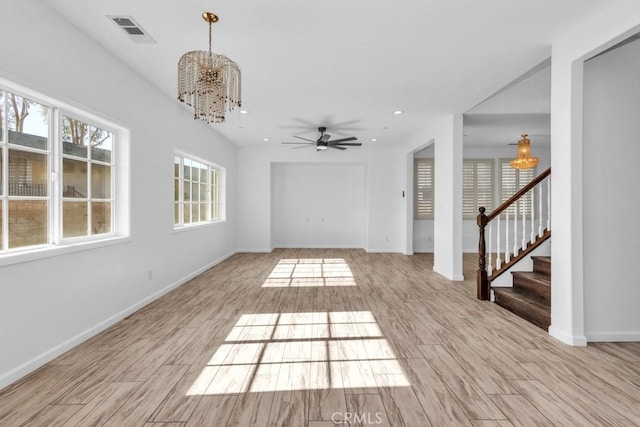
532	286
541	320
542	266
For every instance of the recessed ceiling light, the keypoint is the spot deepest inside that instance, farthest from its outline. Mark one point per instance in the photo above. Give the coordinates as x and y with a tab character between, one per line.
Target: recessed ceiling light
266	139
398	112
244	112
374	139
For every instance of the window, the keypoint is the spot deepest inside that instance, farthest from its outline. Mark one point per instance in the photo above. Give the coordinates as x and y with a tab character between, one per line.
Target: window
477	186
87	196
56	175
423	187
512	180
198	191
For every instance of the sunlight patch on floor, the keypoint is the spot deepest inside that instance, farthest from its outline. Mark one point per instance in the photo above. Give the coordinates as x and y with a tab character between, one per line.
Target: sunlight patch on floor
307	272
301	351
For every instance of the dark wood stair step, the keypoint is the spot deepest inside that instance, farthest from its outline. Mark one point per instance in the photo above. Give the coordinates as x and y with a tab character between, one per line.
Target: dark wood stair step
542	264
530	307
536	283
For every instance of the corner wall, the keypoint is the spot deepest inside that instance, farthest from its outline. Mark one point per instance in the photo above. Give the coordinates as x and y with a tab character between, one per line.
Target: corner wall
610	202
384	207
614	23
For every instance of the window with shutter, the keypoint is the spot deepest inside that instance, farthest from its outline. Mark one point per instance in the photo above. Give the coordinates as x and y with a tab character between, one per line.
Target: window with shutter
423	187
512	180
477	186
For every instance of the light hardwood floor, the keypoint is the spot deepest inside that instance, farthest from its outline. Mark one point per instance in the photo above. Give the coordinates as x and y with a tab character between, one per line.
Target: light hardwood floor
296	337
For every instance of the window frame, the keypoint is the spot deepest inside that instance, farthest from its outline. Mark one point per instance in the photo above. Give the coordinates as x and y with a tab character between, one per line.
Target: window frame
530	207
416	188
60	156
475	161
120	175
221	192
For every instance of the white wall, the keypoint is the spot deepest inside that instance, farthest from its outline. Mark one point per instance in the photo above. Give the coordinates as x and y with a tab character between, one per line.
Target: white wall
614	23
384	206
319	205
49	305
423	228
611	200
447	258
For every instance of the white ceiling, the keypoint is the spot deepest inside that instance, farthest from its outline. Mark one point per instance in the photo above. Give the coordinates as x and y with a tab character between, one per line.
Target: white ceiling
343	64
523	106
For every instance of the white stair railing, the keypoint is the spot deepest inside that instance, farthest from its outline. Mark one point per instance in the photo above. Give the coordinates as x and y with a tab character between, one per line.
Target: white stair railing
521	208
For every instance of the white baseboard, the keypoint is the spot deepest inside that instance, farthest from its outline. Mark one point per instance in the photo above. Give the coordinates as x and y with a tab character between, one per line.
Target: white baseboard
308	246
384	251
613	337
47	356
573	340
255	250
448	276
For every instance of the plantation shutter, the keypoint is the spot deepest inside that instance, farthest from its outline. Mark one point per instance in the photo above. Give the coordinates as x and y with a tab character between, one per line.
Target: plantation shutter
423	186
512	180
477	186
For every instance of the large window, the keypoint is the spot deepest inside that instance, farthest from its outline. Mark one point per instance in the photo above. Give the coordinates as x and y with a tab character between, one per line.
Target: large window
87	190
198	191
477	186
512	180
56	175
423	187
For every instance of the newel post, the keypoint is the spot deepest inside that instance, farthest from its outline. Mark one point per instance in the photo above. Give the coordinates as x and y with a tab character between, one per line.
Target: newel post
483	281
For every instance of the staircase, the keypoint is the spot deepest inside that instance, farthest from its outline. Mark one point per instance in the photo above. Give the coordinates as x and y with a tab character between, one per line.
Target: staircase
530	296
507	235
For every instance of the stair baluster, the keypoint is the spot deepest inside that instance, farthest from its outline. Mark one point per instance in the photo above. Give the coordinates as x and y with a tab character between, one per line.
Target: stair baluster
490	271
533	221
540	212
515	229
548	204
498	260
489	266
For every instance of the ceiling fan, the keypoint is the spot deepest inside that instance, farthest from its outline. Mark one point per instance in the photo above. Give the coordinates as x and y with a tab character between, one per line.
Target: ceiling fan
325	141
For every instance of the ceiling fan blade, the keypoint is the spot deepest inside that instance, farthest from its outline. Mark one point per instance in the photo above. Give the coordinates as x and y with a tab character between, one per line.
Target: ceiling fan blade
354	144
299	137
325	137
304	146
351	138
337	147
299	143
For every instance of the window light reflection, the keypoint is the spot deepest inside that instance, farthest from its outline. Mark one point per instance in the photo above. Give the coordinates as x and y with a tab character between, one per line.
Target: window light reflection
301	351
310	272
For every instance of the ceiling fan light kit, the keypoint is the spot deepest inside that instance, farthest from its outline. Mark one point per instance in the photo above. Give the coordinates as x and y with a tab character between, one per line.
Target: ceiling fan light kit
325	141
208	82
524	159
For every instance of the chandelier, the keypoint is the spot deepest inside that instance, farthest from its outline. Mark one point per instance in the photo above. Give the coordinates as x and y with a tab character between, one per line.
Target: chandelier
208	82
524	159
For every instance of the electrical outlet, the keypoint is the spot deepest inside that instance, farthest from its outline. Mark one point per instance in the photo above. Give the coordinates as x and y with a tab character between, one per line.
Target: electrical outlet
150	274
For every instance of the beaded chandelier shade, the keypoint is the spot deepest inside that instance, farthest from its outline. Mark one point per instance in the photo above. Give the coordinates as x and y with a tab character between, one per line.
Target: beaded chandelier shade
524	159
208	82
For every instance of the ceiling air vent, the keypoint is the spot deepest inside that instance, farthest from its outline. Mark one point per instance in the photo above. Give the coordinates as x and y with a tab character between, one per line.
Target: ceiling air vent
133	30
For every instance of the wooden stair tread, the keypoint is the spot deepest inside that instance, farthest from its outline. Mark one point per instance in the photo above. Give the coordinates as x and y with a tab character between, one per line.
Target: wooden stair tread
542	258
542	264
525	304
539	278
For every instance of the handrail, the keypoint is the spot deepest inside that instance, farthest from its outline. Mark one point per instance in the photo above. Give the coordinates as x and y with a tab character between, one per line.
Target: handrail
524	190
485	273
